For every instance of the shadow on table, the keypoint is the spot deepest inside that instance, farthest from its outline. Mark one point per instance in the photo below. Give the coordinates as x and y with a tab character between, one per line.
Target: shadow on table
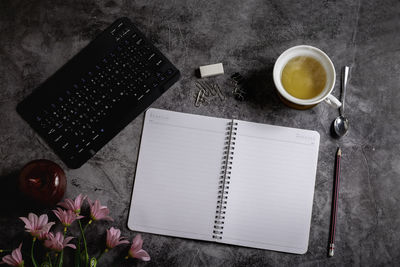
261	90
12	202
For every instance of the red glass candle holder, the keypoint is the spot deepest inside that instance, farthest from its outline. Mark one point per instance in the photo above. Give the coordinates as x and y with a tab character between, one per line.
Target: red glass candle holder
43	181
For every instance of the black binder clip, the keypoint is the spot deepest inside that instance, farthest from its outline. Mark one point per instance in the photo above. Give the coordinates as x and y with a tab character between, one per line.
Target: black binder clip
239	91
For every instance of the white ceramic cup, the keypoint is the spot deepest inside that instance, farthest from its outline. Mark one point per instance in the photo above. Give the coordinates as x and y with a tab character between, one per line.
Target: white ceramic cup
317	54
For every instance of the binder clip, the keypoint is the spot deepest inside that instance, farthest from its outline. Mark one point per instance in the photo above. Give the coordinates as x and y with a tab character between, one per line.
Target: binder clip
238	83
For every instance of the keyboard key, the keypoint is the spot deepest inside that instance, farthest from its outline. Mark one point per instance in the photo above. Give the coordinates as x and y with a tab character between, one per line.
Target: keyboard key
159	62
139	42
58	138
65	145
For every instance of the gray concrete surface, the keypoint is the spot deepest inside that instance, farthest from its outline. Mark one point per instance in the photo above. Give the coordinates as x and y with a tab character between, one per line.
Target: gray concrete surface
38	37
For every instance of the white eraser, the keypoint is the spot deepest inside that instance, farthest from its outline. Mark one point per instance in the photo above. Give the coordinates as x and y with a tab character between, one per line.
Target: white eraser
211	70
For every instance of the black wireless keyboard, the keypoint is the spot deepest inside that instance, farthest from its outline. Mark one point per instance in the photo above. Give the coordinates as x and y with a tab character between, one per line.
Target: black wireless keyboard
98	92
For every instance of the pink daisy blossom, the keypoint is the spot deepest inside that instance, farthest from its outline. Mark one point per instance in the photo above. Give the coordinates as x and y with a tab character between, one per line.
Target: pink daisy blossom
74	205
15	259
98	212
136	250
66	217
43	234
37	227
57	242
114	239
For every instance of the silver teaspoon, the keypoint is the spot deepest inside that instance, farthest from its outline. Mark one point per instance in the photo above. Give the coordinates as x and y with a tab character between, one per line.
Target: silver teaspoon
341	123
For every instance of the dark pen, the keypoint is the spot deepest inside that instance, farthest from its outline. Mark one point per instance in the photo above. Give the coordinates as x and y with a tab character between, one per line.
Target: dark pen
335	199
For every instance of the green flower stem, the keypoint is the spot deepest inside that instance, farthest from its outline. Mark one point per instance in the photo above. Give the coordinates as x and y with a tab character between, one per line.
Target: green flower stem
84	240
102	253
32	257
60	262
89	222
48	256
78	249
57	258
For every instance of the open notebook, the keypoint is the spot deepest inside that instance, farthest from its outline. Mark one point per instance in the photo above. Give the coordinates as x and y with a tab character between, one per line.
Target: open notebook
223	180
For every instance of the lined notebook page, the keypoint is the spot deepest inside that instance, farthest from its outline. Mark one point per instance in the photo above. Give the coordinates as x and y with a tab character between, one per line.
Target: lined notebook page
176	181
271	187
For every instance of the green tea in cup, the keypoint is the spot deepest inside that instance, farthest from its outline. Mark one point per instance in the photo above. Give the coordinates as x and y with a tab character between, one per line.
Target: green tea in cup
303	77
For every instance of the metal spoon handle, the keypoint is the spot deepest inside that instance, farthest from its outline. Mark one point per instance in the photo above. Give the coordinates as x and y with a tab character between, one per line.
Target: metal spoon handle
345	76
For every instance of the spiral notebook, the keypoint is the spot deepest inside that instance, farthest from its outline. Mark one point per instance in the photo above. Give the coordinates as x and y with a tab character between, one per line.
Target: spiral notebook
223	180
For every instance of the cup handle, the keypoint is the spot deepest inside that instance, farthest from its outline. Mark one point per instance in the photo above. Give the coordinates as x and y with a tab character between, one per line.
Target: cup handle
333	101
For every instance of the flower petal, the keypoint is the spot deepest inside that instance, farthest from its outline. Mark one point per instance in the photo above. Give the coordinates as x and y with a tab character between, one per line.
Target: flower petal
42	220
137	243
28	224
71	246
33	219
123	241
47	227
142	255
57	212
59	236
67	239
16	257
66	204
108	218
114	231
79	200
9	260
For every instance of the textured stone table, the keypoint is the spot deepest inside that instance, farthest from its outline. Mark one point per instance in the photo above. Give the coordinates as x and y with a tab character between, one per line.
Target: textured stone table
38	37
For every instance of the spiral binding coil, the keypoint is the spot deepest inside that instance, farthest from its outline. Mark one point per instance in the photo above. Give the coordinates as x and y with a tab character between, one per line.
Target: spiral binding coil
224	180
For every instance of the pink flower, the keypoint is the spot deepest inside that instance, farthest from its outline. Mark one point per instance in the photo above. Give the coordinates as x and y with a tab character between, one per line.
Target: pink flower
66	217
37	227
75	206
114	239
43	234
57	242
98	212
136	250
15	259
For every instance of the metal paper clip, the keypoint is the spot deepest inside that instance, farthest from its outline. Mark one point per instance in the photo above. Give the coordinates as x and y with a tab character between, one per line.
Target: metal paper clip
208	89
201	87
211	88
201	99
197	103
219	92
